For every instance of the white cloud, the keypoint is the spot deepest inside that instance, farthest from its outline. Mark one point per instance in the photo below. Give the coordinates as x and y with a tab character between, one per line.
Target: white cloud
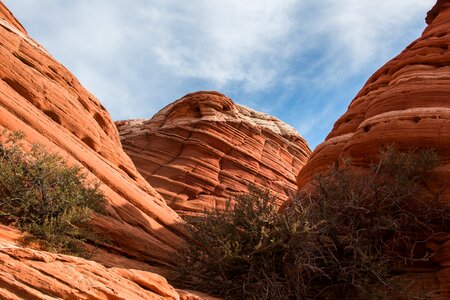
218	42
369	30
221	41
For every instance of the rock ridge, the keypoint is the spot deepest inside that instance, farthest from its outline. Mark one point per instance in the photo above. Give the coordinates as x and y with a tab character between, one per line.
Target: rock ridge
44	100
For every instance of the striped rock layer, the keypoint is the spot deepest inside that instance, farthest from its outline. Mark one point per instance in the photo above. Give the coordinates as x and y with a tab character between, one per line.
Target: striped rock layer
27	273
33	274
405	103
44	100
41	98
203	149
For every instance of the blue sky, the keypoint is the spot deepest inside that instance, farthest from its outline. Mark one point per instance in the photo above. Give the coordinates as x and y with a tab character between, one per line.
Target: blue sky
302	61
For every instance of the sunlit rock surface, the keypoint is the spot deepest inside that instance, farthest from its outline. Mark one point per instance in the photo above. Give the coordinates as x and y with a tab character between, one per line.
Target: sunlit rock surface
44	100
203	149
406	103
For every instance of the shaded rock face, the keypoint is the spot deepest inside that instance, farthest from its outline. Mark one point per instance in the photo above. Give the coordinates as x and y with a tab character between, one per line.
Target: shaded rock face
406	103
44	100
202	149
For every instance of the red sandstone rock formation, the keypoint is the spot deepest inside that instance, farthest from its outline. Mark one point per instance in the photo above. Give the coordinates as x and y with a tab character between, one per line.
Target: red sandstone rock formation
41	98
407	103
44	100
32	274
202	149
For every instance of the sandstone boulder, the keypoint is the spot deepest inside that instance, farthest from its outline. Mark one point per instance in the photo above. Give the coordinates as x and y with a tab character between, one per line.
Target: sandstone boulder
203	149
406	103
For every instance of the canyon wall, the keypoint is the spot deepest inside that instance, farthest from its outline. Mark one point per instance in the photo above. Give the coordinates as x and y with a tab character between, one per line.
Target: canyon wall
405	103
44	100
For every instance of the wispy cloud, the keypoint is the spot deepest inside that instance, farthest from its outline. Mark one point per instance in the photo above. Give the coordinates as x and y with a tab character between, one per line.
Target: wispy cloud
356	33
138	56
225	42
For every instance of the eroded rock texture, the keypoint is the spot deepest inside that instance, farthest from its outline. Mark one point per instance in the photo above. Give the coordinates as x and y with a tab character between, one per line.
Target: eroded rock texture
203	148
33	274
406	103
44	100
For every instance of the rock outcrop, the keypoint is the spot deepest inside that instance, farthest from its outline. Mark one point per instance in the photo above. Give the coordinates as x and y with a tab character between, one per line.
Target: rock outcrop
44	100
406	103
202	149
32	274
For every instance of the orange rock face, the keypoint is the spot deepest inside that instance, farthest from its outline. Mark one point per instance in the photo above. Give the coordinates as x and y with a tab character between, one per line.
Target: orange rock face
33	274
407	103
44	100
202	149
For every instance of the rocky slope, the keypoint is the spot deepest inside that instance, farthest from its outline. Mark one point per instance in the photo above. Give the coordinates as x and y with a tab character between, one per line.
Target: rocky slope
32	274
44	100
407	103
202	149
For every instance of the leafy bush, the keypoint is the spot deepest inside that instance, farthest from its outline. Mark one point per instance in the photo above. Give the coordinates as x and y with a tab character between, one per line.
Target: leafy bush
345	234
39	194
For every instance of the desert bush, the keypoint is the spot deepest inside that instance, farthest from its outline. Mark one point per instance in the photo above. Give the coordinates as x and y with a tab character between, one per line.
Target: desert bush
348	233
249	250
374	223
42	196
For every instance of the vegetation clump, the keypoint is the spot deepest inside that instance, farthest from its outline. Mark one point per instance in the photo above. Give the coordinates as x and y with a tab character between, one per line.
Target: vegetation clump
44	197
247	250
347	233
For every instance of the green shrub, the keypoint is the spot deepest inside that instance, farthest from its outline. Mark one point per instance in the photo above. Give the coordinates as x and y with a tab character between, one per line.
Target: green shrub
344	235
39	194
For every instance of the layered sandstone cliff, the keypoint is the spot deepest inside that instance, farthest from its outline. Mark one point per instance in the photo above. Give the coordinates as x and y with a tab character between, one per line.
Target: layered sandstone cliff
406	103
203	149
44	100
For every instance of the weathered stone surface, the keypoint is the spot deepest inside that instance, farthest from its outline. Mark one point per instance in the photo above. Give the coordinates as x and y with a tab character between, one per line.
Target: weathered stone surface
202	149
44	100
6	14
32	274
406	103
